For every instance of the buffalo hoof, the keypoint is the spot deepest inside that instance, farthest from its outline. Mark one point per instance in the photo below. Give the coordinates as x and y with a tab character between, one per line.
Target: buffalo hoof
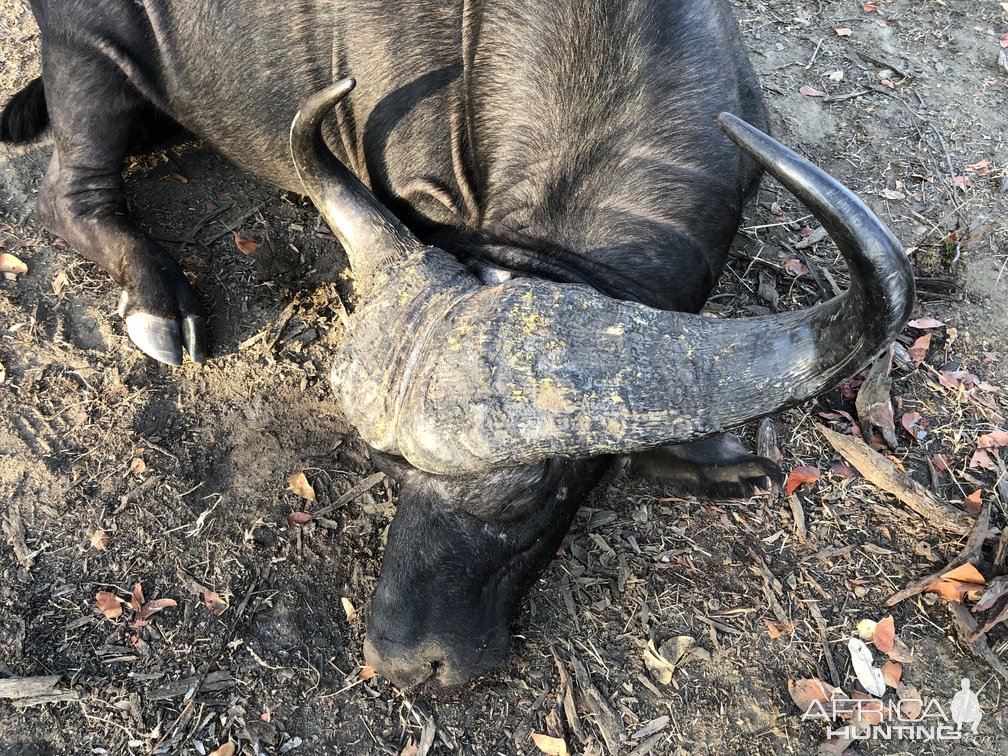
717	467
164	318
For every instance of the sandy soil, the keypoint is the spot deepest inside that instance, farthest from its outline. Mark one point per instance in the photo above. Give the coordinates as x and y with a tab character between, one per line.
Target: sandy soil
185	470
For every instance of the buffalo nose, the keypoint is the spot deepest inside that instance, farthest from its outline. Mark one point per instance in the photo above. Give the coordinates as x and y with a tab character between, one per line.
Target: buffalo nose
408	667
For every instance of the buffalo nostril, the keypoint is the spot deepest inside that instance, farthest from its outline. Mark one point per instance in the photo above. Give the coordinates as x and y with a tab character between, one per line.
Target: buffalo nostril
404	666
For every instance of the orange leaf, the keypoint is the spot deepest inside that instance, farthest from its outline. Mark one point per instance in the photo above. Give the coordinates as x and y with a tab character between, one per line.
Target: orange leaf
774	628
891	673
99	540
245	246
967	573
549	745
299	484
806	691
843	31
108	604
885	633
214	602
366	673
920	348
801	475
137	598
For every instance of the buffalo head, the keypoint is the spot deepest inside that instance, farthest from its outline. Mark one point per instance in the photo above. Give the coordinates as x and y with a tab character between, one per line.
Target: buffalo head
499	405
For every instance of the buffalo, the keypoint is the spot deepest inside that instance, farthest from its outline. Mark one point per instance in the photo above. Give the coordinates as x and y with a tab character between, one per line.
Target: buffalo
536	199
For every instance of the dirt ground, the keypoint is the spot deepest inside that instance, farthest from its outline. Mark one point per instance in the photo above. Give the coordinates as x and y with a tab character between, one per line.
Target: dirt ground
186	470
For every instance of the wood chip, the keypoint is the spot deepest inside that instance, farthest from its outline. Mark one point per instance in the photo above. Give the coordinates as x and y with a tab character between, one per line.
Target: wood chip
884	474
34	691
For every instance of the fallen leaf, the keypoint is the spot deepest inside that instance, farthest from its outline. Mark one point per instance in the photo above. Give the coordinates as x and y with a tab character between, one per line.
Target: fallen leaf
137	466
805	692
209	206
799	476
920	348
11	264
993	440
867	710
910	703
837	75
913	424
901	652
885	633
981	168
109	604
973	502
550	745
962	182
843	31
410	749
99	540
811	92
298	518
226	749
870	7
925	323
149	609
862	660
774	628
348	609
953	584
213	602
299	484
366	673
982	459
794	267
60	282
178	178
245	246
891	673
137	597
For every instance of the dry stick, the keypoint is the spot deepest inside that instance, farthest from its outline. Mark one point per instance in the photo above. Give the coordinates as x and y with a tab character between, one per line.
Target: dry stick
971	552
966	626
365	485
886	475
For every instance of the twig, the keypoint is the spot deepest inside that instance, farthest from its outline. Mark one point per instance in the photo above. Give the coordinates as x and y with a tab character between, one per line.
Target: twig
971	552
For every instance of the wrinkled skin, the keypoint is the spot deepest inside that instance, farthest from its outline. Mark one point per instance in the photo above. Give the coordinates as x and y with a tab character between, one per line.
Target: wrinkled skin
570	140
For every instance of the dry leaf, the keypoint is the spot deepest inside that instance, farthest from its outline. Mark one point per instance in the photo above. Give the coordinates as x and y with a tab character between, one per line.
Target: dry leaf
108	604
920	348
348	609
799	476
870	7
926	322
953	584
149	609
366	673
137	597
299	484
227	749
811	91
794	267
966	573
245	246
60	282
993	440
775	629
99	540
298	518
891	673
805	692
410	749
885	635
868	675
11	264
982	459
550	745
869	710
901	652
973	502
137	466
843	31
214	602
911	704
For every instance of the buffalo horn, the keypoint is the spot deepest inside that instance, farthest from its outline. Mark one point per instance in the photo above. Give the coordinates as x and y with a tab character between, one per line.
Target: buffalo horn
461	378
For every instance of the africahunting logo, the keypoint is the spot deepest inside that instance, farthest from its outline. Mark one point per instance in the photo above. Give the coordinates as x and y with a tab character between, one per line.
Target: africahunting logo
906	718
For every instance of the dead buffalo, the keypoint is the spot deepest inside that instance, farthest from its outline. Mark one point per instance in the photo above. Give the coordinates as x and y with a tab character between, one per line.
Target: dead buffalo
536	200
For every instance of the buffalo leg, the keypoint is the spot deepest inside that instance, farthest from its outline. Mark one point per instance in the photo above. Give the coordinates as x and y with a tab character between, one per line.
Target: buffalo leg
718	466
97	116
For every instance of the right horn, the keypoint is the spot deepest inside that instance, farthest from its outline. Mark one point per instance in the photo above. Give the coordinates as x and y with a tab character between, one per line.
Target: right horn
530	369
